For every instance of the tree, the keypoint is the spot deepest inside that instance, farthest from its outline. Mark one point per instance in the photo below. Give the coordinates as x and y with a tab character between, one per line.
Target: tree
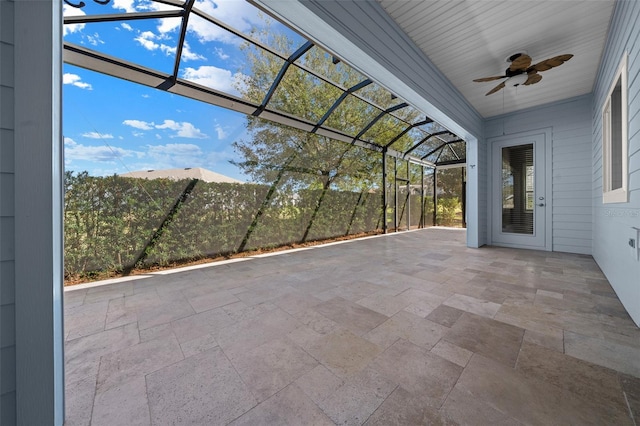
292	159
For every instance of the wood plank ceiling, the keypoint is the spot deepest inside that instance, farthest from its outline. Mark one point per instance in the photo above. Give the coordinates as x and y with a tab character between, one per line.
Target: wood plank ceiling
468	39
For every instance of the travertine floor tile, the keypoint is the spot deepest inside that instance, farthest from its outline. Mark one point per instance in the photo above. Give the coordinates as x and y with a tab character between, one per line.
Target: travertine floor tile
631	387
465	409
404	408
250	333
107	293
359	396
193	326
85	319
82	355
452	353
137	361
79	401
118	314
271	367
164	313
529	400
197	345
445	315
593	383
409	328
473	305
288	407
552	340
413	328
212	300
349	315
422	373
488	337
384	303
343	352
130	398
599	351
202	389
319	383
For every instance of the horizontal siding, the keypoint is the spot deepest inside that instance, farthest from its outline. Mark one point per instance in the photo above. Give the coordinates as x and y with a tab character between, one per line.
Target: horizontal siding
577	223
612	222
571	158
7	250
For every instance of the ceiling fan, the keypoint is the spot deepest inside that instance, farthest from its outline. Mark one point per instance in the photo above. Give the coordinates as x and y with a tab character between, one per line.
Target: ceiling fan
523	71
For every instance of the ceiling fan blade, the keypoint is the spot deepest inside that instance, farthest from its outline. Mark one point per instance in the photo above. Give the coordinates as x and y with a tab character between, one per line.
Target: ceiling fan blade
522	62
534	78
495	89
547	64
497	77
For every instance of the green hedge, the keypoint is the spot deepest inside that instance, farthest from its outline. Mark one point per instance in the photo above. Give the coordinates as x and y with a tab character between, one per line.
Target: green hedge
109	221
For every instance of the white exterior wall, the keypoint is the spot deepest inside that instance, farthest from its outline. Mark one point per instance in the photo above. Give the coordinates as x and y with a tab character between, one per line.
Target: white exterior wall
31	353
570	174
612	222
7	250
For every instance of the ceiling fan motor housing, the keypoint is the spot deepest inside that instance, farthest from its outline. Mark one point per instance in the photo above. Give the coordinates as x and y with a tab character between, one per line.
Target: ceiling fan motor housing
509	72
521	72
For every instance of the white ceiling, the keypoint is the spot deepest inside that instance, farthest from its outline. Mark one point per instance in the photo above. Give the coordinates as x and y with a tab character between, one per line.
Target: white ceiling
468	39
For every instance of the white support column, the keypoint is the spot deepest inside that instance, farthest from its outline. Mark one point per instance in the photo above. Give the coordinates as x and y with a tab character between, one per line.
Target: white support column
473	205
38	213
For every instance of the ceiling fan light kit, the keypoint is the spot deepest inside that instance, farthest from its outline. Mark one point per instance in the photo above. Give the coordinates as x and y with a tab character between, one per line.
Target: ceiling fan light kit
517	80
521	72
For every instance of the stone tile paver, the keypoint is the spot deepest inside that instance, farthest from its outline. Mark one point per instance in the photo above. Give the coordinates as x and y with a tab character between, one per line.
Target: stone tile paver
202	389
408	328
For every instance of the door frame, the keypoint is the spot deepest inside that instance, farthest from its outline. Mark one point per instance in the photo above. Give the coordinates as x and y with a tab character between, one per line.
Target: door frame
545	133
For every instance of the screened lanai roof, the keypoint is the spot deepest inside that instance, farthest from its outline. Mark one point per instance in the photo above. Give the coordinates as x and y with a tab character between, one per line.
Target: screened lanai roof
383	122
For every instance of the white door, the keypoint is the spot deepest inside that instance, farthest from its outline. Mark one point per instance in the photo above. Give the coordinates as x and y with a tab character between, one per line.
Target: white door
519	200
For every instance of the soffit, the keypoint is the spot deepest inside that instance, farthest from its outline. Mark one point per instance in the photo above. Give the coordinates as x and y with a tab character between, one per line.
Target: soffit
469	39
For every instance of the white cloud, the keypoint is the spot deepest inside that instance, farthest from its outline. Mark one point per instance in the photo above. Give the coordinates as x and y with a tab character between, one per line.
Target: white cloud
217	157
168	50
188	55
126	26
75	151
75	80
168	124
139	124
221	132
147	40
175	155
146	96
137	134
126	5
158	136
183	129
96	135
175	149
221	53
94	39
71	11
239	14
215	78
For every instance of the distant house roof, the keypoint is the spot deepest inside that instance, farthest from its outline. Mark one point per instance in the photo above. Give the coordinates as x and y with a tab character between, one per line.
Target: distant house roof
179	174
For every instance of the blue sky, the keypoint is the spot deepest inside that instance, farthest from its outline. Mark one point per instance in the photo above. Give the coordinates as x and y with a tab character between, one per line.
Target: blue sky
114	126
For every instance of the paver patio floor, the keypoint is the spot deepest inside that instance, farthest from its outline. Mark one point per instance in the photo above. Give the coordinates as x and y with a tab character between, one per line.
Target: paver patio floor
410	328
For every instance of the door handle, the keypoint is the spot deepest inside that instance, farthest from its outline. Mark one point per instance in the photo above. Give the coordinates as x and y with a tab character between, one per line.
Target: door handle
541	205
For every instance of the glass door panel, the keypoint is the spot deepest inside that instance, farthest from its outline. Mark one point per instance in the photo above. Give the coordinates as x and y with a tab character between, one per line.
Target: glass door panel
518	185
